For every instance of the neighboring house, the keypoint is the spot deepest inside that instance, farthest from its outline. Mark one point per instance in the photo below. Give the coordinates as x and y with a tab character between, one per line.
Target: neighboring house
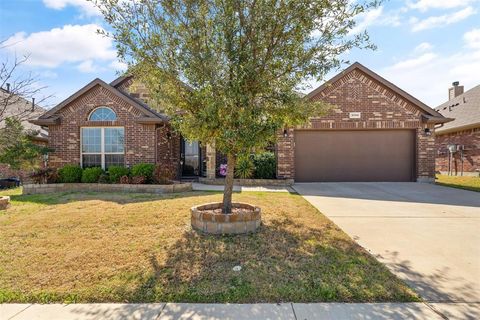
375	132
24	111
458	142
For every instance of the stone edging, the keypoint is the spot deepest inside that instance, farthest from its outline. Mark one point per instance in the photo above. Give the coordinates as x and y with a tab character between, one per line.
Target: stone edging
103	187
4	202
219	223
249	182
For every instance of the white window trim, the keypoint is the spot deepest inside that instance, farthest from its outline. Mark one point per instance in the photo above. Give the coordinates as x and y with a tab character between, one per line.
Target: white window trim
100	107
102	152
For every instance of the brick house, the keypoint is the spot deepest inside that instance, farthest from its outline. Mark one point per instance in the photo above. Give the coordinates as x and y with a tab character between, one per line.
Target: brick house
375	132
458	142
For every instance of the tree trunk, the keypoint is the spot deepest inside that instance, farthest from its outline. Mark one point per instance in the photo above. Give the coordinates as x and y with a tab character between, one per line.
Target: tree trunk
227	193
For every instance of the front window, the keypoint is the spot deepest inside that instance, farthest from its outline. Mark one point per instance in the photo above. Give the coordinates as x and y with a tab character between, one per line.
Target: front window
103	147
102	114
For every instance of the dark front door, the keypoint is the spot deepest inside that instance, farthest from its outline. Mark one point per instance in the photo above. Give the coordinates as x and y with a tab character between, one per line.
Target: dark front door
190	158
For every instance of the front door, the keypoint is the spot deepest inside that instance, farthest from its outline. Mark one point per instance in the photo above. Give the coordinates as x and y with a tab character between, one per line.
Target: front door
190	158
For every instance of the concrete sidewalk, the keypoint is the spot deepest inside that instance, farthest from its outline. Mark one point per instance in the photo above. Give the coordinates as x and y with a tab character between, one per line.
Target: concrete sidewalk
208	187
294	311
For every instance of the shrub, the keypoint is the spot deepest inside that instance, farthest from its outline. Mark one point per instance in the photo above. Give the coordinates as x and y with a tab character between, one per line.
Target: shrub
70	173
91	175
244	168
45	175
163	175
124	179
104	178
138	180
144	170
116	172
265	165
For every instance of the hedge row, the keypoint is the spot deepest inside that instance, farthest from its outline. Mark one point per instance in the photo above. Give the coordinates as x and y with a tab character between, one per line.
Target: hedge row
139	174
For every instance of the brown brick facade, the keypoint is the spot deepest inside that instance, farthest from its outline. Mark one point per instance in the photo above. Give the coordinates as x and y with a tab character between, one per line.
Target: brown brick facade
380	108
144	143
470	140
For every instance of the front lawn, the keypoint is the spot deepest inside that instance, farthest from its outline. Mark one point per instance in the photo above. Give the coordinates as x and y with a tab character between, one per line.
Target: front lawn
468	183
111	247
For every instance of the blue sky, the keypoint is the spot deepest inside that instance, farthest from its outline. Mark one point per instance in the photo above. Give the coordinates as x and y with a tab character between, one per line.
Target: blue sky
423	45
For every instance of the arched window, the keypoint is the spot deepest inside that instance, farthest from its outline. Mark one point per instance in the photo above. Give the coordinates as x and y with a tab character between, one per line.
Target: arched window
102	114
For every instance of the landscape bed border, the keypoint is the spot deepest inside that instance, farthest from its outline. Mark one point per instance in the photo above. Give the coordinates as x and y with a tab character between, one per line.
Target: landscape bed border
105	187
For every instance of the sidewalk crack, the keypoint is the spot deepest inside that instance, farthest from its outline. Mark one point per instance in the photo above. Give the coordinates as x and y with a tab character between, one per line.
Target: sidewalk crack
16	314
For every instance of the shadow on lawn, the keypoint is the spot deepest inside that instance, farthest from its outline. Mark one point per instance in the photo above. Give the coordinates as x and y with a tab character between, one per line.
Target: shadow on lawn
277	266
283	262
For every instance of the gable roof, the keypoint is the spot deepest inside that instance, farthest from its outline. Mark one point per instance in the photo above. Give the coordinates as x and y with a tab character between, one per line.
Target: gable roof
142	107
117	82
21	109
465	108
426	109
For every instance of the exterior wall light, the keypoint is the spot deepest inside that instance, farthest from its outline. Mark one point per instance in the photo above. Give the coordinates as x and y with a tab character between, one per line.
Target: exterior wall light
169	135
285	133
428	132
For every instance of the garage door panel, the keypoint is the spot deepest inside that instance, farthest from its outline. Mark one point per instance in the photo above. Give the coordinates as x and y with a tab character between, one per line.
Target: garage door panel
363	155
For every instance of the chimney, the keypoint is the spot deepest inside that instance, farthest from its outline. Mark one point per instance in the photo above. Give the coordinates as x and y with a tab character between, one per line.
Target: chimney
455	90
33	104
8	87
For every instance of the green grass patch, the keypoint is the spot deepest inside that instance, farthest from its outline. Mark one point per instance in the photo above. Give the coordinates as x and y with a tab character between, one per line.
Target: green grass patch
114	247
467	183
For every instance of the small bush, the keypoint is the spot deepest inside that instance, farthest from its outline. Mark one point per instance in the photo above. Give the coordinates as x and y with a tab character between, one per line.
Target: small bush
116	172
144	170
244	168
265	165
104	178
124	179
163	175
138	180
91	175
70	174
45	175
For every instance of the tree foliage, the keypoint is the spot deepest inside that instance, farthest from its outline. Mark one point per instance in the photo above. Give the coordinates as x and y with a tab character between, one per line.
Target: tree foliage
17	148
228	71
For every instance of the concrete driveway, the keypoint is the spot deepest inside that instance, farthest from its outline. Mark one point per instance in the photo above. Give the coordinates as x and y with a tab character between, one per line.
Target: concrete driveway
428	235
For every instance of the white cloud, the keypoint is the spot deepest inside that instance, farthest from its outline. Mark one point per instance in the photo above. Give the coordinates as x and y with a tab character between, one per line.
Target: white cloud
424	5
86	7
375	17
428	76
87	67
414	62
118	65
76	43
472	38
443	20
423	47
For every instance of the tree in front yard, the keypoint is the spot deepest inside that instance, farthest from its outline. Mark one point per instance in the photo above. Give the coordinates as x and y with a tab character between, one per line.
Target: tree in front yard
227	71
17	148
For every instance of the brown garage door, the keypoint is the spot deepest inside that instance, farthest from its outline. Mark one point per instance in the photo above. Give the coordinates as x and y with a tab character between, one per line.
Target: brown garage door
360	155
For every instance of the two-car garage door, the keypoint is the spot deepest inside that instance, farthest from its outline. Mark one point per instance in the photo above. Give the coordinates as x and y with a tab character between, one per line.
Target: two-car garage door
354	155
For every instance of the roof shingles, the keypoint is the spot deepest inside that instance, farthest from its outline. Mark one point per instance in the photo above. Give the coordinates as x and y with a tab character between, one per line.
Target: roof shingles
465	109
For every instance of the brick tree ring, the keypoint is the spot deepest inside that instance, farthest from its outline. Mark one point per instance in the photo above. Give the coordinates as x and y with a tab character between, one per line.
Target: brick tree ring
4	202
208	218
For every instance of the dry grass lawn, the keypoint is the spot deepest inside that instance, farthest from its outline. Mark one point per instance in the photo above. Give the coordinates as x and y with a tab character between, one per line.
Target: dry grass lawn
467	183
110	247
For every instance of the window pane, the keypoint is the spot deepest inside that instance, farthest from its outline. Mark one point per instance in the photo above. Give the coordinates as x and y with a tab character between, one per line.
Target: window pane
91	160
103	114
114	139
91	140
114	160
